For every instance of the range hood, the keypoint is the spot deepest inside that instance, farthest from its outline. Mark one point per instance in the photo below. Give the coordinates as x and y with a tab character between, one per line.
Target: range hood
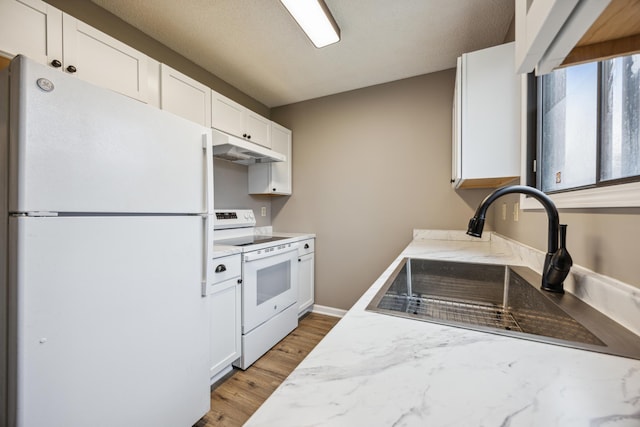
240	151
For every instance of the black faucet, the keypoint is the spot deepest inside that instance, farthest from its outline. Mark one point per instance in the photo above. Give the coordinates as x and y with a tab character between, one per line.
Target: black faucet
557	262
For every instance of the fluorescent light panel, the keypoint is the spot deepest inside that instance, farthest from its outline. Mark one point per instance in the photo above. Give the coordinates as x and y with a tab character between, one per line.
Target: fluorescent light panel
316	21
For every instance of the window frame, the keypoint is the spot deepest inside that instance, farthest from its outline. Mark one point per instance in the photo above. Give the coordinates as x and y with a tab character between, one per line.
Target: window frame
615	195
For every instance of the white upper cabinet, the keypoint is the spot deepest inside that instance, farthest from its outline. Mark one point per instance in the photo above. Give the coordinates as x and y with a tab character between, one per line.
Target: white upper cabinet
233	118
547	31
102	60
486	119
258	129
32	28
273	178
184	96
227	115
47	35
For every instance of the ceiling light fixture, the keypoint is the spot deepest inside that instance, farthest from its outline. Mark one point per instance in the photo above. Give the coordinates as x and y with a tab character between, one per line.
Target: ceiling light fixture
315	19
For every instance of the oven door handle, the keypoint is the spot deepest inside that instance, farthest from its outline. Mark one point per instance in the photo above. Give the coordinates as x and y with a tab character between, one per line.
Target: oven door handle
261	254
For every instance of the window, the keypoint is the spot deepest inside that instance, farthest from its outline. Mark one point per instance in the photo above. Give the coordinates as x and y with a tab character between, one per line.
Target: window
589	126
620	146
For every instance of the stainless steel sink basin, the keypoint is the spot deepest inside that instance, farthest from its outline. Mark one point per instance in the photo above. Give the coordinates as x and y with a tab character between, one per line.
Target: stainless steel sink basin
499	299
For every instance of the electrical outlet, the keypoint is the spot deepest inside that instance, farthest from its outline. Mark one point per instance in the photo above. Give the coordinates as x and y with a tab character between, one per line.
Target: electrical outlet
504	211
263	211
516	212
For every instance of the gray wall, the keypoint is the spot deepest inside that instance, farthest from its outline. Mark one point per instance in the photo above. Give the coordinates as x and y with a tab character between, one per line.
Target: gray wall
369	166
603	240
230	191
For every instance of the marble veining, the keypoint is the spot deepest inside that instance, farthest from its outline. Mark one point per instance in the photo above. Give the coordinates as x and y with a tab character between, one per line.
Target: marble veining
220	251
377	370
268	231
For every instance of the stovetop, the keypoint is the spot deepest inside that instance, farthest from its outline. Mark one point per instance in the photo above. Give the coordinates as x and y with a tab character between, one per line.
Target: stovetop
249	240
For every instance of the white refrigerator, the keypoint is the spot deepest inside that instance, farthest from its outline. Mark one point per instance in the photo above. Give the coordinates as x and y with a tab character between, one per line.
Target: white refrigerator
105	213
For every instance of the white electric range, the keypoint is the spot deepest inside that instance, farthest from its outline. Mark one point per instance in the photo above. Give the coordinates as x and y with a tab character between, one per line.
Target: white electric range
269	281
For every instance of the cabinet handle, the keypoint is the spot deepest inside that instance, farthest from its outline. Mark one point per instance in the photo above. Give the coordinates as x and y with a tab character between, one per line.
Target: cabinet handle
244	135
248	136
306	246
274	189
71	69
299	260
453	180
239	281
221	268
56	64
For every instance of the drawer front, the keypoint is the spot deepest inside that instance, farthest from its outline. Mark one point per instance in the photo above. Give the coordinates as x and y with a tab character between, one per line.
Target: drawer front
224	268
306	246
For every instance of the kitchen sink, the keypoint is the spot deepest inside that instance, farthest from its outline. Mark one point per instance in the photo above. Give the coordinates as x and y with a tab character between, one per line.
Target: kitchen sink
499	299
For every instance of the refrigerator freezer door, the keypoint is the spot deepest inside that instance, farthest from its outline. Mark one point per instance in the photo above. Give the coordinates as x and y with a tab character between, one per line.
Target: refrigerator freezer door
107	324
76	147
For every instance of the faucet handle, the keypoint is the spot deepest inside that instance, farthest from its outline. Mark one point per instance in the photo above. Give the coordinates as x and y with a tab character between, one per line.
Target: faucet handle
559	265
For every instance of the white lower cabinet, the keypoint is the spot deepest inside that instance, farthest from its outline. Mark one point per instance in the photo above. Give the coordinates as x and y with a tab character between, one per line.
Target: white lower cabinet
306	270
224	295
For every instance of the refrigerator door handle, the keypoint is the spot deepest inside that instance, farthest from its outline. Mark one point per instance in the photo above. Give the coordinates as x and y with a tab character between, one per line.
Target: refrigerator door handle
207	247
208	197
208	185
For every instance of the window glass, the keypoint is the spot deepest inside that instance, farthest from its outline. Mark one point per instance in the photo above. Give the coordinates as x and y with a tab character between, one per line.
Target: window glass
620	151
569	128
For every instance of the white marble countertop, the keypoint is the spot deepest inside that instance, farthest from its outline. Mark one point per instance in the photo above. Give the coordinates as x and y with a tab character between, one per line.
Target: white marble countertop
220	251
378	370
268	231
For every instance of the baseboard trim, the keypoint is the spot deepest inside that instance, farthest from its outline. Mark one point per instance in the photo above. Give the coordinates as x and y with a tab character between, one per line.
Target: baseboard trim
329	311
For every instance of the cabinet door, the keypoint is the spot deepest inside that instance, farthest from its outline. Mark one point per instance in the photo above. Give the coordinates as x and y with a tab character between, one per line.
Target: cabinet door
258	129
224	325
184	96
305	282
31	28
103	60
456	131
227	115
281	171
490	146
273	178
486	145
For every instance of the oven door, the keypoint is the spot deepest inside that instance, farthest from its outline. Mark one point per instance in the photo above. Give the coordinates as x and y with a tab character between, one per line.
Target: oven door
270	283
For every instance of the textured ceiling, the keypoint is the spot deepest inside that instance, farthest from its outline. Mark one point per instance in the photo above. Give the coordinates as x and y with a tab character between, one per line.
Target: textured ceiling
257	47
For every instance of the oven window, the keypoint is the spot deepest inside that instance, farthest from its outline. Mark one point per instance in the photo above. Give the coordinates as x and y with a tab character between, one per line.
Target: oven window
273	281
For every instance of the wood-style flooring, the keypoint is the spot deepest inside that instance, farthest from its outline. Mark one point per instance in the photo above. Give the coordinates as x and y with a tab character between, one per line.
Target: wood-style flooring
239	396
